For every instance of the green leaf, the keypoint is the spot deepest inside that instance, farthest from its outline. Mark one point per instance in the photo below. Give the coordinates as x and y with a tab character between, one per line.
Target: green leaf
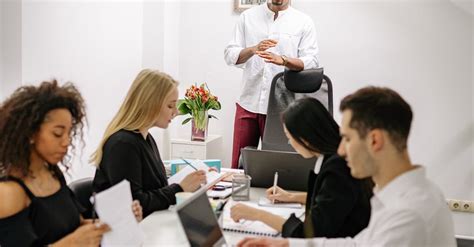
186	120
183	107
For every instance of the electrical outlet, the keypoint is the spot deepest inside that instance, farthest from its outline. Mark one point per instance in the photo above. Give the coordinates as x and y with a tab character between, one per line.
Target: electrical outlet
467	206
461	205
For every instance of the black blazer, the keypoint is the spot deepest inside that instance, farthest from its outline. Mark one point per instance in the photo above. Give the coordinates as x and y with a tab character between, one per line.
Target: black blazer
337	205
127	155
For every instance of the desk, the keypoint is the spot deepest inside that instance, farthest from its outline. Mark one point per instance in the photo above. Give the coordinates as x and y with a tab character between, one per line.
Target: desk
163	228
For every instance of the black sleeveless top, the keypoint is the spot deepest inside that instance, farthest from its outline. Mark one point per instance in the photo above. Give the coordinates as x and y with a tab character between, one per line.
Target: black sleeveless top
45	220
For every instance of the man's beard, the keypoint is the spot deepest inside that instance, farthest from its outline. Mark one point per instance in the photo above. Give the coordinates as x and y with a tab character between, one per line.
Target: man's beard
278	3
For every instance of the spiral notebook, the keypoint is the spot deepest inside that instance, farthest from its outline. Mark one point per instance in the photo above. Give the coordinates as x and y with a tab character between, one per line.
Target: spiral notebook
255	227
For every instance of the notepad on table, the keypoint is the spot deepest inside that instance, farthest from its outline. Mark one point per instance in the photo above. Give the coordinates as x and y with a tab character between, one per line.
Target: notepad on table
265	202
255	227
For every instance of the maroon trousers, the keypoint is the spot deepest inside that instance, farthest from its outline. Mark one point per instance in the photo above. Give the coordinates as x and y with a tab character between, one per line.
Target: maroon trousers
248	129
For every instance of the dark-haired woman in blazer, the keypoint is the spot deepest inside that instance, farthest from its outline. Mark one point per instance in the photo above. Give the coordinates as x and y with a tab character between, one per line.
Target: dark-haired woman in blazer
337	205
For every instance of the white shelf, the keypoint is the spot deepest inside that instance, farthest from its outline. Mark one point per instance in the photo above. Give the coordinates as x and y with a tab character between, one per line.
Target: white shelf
183	148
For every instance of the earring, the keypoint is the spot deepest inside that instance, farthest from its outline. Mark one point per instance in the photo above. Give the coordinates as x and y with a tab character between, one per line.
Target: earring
32	141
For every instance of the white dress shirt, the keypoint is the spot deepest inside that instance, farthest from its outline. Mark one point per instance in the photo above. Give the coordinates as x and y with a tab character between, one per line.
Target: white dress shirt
319	163
296	38
409	211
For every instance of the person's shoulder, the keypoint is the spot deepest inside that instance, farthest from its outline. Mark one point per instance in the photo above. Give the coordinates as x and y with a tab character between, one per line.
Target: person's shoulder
123	136
301	15
335	160
14	198
256	10
335	164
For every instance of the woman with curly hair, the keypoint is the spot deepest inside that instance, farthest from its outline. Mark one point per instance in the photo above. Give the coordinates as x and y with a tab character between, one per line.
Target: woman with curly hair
37	125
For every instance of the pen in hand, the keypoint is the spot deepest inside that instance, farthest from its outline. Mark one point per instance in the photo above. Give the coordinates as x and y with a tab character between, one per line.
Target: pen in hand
275	180
189	163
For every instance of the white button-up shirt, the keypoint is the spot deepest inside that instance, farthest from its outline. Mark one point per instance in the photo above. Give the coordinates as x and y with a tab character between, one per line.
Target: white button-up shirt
409	211
296	38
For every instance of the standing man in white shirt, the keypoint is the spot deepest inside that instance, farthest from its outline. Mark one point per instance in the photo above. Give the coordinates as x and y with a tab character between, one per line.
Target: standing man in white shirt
268	38
407	208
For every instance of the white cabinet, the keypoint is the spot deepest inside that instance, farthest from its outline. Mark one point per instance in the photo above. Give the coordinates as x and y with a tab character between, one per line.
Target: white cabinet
209	149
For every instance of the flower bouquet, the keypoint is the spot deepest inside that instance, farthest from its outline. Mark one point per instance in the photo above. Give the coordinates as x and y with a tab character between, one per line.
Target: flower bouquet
197	101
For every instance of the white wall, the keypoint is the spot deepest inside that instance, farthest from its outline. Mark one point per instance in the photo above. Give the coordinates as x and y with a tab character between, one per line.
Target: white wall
203	36
97	45
10	47
422	49
153	40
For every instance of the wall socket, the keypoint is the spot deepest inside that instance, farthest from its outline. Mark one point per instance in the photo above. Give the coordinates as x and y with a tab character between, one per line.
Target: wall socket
461	205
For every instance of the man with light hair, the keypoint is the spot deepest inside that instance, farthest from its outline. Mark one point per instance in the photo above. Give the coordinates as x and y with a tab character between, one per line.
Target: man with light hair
267	39
407	208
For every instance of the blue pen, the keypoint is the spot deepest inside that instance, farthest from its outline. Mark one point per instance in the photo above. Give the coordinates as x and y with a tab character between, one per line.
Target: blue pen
185	161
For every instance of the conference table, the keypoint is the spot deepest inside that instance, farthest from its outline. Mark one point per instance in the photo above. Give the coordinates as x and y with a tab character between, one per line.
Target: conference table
163	228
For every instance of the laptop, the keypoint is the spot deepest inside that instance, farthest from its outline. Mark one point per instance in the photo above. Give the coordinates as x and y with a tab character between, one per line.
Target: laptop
292	168
199	221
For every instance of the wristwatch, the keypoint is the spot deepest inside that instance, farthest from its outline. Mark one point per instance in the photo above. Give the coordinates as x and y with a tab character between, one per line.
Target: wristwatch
285	60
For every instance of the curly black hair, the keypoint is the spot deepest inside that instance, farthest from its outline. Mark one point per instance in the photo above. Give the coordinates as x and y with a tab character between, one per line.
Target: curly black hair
22	114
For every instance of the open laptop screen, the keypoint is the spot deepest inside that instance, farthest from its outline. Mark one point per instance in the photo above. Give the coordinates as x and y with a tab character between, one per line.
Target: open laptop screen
199	221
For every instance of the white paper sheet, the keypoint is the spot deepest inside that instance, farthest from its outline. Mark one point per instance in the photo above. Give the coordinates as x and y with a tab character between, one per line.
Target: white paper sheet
212	176
114	207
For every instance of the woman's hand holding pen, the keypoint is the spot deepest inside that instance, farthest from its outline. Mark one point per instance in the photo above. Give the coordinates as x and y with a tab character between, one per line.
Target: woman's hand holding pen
193	181
280	195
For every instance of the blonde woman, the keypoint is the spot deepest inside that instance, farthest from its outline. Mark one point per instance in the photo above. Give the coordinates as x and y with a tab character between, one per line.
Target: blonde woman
128	151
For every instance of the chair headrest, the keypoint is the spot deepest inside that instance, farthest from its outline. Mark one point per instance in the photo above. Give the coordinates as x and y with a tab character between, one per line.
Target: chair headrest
305	81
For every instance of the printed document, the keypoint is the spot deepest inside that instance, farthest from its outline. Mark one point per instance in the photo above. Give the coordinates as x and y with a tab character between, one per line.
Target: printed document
114	207
212	176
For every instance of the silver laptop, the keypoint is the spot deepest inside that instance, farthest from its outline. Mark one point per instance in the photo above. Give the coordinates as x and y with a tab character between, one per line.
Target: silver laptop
292	168
199	221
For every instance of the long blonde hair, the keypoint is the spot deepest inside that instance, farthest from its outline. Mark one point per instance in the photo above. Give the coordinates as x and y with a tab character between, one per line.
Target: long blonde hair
141	106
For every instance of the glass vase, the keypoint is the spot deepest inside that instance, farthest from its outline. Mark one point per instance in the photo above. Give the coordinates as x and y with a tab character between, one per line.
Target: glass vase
199	126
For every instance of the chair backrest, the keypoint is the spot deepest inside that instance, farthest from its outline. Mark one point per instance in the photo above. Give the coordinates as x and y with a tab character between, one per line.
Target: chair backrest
286	87
82	189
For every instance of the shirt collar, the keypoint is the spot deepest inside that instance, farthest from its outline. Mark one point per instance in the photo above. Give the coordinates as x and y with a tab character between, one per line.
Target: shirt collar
319	163
391	193
270	13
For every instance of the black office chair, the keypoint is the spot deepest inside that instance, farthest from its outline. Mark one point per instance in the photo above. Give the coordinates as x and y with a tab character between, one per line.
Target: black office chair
286	87
82	189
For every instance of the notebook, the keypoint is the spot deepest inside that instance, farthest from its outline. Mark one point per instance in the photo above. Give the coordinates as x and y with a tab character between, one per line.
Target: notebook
255	227
213	177
265	202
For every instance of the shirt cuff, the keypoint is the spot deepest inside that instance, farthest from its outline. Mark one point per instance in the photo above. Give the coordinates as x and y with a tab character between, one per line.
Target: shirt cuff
176	188
310	62
233	56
